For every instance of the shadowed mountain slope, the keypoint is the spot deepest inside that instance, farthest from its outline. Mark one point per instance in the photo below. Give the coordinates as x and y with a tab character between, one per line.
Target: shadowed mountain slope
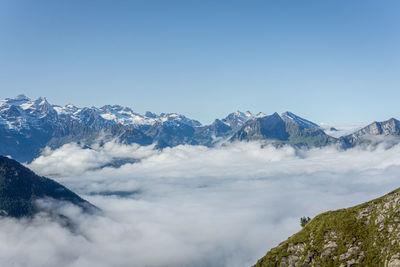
283	129
20	188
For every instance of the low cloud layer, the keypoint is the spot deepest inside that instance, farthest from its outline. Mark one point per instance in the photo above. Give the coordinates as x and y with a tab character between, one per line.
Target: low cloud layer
192	205
338	130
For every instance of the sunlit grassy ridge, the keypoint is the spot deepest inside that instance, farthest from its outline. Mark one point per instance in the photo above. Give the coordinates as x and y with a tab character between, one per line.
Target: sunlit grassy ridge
364	235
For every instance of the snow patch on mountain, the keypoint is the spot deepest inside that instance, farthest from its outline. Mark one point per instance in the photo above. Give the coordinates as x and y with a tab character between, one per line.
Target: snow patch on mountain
290	117
237	119
22	112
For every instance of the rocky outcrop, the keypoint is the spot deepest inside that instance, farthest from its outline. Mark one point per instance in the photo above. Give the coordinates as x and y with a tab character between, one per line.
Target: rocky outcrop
364	235
283	129
373	134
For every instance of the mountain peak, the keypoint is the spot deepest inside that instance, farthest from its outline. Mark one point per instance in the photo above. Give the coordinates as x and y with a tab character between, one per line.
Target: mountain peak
365	135
237	118
290	117
260	114
150	114
289	114
41	101
21	97
18	100
239	113
70	106
112	107
393	120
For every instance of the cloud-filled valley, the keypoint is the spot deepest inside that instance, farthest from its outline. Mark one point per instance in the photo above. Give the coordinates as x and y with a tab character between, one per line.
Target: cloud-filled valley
191	205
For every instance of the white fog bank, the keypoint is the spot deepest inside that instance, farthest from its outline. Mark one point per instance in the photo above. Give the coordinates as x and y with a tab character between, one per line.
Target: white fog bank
192	205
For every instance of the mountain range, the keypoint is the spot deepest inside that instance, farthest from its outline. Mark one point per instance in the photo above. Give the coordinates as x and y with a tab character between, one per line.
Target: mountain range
27	126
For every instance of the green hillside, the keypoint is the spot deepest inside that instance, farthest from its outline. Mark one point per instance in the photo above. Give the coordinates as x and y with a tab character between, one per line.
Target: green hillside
364	235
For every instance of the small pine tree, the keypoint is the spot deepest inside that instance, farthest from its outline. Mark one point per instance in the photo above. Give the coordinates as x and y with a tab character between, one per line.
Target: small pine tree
304	220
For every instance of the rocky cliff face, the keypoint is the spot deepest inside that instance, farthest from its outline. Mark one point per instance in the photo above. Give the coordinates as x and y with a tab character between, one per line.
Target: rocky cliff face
266	127
374	134
364	235
283	129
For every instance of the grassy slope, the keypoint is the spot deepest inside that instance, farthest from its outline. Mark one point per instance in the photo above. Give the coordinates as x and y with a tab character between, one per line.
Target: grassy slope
378	245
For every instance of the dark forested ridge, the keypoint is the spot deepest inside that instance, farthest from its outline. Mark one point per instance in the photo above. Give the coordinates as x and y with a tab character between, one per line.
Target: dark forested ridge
20	188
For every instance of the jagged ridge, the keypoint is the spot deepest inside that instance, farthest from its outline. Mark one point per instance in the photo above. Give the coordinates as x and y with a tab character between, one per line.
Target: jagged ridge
27	126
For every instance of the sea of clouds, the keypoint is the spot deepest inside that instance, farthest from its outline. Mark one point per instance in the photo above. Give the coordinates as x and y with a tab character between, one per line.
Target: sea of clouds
191	205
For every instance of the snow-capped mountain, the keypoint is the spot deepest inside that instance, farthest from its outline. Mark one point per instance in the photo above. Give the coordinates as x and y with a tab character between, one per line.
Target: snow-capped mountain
237	119
23	113
27	126
126	116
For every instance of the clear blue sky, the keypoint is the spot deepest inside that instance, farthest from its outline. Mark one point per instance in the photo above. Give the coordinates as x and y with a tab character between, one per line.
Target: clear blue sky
329	61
